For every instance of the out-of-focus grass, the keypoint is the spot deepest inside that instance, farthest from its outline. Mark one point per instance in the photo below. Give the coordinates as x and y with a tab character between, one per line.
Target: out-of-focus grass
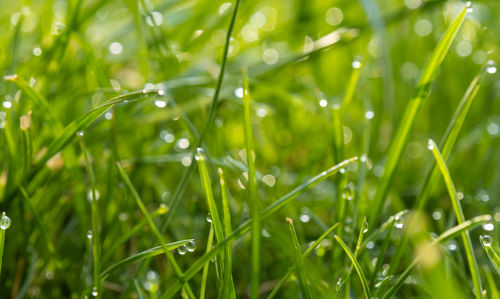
144	83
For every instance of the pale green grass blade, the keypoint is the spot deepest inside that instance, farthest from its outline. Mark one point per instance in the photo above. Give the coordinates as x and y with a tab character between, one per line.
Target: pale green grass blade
204	275
452	232
252	184
153	227
493	290
228	287
491	252
469	250
351	86
245	227
448	142
313	246
400	139
299	262
2	240
357	266
142	255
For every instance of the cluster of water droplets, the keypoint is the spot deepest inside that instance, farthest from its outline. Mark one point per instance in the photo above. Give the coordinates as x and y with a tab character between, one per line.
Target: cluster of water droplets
188	247
4	222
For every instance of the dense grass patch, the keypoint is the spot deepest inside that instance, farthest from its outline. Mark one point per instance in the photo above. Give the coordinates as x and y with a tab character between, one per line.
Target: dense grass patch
249	149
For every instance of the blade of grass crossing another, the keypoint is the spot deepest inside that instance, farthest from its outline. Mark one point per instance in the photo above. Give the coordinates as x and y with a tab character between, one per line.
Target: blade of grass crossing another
246	226
299	262
452	232
401	137
469	250
252	184
146	215
357	266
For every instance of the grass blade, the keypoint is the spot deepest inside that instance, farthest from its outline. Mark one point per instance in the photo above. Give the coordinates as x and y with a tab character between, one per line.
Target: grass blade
491	252
5	222
146	215
401	137
142	255
245	227
204	274
357	266
252	183
299	262
469	250
452	232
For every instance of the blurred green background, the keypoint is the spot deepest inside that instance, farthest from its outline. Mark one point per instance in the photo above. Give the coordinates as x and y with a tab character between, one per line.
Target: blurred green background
79	53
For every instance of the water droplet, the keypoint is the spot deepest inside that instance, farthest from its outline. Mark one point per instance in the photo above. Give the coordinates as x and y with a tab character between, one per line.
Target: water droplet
356	64
339	284
342	170
5	222
304	218
370	245
430	144
491	67
369	114
190	246
94	292
486	240
7	104
161	92
160	103
366	228
348	192
469	6
182	250
80	133
115	48
488	227
436	215
398	222
452	245
89	234
37	51
323	103
183	143
209	218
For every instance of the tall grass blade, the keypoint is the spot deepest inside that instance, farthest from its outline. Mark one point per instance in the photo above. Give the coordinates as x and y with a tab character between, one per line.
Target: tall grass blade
469	250
252	184
491	252
400	139
299	262
204	275
245	227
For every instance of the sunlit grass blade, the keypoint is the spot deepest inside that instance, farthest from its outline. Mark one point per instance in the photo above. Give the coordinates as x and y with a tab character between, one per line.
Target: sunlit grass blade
356	265
228	287
245	227
2	238
313	246
451	233
469	250
401	137
447	143
142	255
252	184
491	252
153	227
351	86
204	275
299	262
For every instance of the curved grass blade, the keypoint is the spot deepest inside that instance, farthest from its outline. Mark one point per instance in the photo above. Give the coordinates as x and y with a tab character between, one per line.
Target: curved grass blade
357	266
401	137
287	276
252	184
452	232
228	286
447	143
245	227
491	252
157	234
469	250
299	262
142	255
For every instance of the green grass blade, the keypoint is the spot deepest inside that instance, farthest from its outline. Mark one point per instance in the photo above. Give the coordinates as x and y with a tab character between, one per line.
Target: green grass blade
493	290
448	142
157	234
351	86
313	246
252	184
357	266
452	232
491	252
402	135
245	227
204	274
2	241
469	250
299	262
142	255
228	287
